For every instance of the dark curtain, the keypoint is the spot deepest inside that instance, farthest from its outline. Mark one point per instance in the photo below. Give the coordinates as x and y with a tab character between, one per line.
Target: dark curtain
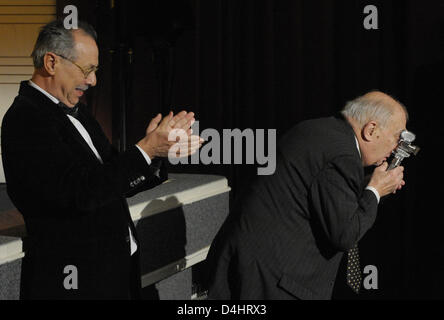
272	63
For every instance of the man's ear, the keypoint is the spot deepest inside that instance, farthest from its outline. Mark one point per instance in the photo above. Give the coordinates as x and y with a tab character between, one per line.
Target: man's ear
369	131
49	63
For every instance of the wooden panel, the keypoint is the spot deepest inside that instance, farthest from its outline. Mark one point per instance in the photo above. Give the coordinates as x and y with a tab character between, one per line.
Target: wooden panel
19	10
7	94
27	2
18	40
14	78
25	19
5	70
15	61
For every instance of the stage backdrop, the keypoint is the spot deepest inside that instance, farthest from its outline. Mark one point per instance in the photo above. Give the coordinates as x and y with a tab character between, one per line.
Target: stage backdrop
271	63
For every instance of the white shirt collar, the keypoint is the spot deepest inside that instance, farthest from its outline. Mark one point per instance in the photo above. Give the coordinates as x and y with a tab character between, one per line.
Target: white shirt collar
53	99
357	145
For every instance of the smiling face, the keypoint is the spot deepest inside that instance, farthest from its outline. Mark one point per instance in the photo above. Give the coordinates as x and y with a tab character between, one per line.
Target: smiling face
69	79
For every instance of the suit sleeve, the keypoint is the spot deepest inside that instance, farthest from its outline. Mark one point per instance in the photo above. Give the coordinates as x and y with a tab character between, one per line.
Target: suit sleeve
158	174
340	205
42	165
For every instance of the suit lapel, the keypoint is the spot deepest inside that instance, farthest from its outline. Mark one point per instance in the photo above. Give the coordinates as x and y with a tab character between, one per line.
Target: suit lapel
38	99
100	142
72	131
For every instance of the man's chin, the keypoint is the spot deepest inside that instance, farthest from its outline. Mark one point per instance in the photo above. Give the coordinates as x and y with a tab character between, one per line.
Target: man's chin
380	162
73	102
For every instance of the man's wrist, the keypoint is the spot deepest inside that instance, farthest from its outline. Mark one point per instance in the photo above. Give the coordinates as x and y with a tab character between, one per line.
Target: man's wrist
144	154
147	149
373	189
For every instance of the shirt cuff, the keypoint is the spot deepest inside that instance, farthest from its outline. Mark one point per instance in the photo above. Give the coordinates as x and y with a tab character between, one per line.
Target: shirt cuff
375	192
147	158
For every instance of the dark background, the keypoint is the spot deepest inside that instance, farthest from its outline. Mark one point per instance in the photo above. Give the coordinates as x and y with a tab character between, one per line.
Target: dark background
271	63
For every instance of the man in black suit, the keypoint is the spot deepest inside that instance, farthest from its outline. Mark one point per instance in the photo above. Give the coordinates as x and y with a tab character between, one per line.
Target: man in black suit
69	183
286	237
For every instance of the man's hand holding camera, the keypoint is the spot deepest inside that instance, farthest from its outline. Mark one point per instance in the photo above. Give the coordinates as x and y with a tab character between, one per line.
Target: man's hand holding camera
386	182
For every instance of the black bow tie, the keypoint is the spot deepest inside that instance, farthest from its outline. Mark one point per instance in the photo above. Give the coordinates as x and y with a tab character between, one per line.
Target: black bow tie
74	111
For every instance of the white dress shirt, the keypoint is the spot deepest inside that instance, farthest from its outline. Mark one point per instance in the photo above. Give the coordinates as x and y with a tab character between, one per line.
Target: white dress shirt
85	135
368	187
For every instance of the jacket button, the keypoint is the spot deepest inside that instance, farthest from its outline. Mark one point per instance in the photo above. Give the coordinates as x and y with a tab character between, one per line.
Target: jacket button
132	184
142	178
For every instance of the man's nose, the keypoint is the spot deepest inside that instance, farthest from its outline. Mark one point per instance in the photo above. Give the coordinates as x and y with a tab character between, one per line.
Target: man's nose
91	80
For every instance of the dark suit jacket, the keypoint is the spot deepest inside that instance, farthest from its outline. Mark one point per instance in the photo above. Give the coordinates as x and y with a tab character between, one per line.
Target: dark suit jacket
74	207
287	235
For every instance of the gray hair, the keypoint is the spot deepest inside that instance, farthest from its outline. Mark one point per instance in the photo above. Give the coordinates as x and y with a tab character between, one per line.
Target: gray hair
364	109
53	37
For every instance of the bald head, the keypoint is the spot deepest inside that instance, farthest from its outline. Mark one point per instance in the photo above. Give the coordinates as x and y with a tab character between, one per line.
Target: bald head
374	106
377	120
382	97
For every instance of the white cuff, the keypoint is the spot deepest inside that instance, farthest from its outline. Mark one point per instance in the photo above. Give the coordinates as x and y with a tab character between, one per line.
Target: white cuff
374	191
133	243
147	157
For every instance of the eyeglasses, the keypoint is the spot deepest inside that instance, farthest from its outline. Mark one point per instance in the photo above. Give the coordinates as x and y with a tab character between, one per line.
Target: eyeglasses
86	72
